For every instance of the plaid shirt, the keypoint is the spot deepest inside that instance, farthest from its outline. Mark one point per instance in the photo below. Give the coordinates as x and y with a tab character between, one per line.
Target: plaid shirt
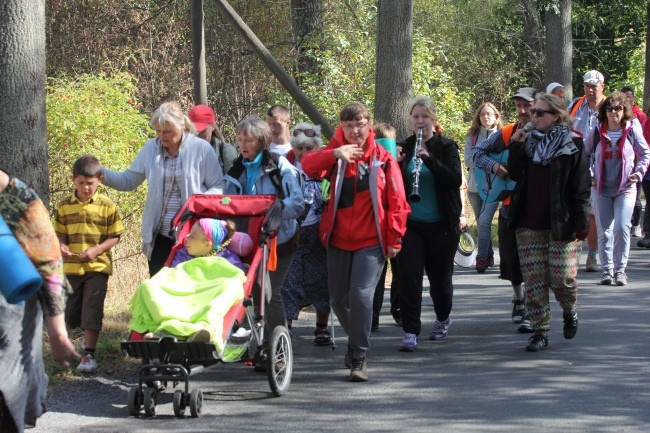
85	225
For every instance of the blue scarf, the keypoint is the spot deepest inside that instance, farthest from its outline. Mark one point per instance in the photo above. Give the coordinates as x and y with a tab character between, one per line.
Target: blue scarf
253	169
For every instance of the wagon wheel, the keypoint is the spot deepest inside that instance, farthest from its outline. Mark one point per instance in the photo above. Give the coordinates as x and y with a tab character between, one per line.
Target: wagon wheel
179	403
280	360
149	401
134	401
196	402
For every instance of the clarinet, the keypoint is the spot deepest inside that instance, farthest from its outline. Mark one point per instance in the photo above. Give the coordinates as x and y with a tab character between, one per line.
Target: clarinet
417	166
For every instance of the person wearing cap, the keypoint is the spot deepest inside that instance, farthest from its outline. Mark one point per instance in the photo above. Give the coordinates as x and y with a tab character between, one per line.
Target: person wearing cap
556	89
584	113
508	252
279	120
205	122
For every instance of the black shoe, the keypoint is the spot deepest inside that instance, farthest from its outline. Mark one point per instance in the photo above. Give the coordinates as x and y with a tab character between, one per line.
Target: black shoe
537	342
518	311
375	324
358	371
570	325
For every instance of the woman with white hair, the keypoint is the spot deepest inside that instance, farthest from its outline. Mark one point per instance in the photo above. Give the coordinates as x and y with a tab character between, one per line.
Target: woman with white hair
306	281
176	165
259	171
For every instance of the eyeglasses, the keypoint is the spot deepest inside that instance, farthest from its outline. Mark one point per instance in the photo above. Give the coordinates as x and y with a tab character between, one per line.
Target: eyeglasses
307	132
305	148
488	114
614	107
539	112
352	127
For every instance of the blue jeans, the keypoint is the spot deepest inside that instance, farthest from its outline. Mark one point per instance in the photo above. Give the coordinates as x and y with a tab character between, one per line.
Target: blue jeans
614	220
484	212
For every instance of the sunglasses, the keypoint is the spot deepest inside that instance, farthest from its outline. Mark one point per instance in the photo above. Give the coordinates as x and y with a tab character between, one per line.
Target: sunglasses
307	132
305	148
614	107
539	112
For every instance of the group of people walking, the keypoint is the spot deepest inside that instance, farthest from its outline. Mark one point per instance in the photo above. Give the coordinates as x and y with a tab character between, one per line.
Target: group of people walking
575	172
351	205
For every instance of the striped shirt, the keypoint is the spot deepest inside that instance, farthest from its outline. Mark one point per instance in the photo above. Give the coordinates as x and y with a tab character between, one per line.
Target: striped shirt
85	225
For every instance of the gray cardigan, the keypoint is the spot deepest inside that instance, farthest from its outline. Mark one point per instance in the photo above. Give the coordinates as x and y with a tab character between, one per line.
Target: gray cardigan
201	175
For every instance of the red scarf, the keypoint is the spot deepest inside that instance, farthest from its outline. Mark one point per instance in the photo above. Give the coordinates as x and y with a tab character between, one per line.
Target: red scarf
607	154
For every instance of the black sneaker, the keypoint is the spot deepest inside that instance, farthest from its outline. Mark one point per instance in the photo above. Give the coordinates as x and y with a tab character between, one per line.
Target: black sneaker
397	316
375	324
518	311
570	324
537	342
358	371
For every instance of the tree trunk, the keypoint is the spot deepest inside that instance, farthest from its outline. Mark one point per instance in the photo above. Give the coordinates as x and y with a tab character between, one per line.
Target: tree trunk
307	20
533	37
558	59
393	77
198	53
23	135
646	86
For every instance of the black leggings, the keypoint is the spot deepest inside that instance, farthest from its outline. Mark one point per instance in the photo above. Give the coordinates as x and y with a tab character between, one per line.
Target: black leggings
426	247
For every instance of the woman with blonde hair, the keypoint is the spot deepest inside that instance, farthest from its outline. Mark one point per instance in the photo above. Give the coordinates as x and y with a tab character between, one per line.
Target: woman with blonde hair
487	120
549	211
176	165
433	227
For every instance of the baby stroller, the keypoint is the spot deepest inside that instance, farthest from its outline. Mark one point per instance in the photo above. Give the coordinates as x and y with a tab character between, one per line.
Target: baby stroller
168	360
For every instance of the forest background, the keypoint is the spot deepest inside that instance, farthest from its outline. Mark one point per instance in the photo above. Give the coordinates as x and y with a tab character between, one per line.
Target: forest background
110	63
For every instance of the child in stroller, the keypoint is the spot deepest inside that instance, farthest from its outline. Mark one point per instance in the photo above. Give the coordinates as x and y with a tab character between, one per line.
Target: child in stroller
190	299
169	359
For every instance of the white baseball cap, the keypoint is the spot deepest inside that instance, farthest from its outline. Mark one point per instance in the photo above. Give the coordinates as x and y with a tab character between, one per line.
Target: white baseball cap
594	77
553	86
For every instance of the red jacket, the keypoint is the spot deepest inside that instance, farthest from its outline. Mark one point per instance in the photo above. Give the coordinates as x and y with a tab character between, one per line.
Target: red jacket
355	224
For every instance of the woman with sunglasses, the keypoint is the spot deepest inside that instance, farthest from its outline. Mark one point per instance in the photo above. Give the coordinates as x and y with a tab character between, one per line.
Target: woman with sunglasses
621	159
306	280
549	212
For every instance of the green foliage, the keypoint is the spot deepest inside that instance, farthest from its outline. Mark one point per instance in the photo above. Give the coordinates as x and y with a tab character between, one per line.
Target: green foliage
96	114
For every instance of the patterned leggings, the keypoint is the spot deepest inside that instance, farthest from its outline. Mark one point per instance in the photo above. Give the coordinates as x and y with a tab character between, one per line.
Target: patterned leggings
548	265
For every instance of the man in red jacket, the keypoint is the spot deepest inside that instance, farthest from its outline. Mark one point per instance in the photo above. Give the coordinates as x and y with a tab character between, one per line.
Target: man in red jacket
361	226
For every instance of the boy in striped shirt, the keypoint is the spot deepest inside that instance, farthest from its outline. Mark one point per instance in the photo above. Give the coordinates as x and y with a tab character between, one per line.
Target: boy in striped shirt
88	225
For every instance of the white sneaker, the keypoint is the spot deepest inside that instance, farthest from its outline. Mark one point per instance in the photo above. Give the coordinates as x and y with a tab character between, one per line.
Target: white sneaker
87	364
636	232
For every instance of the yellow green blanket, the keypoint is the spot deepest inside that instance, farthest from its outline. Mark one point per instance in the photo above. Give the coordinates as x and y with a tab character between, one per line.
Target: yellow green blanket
192	296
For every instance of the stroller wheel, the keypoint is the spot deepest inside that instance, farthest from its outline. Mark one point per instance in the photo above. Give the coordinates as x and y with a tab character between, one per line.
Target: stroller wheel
196	403
134	401
179	403
280	360
149	401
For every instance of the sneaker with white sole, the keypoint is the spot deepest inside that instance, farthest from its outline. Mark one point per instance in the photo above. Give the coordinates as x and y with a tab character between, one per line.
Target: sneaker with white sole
409	343
607	278
440	329
526	327
87	364
636	232
620	278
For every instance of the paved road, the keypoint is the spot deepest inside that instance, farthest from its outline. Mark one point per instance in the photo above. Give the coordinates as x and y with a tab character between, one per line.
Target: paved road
478	380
